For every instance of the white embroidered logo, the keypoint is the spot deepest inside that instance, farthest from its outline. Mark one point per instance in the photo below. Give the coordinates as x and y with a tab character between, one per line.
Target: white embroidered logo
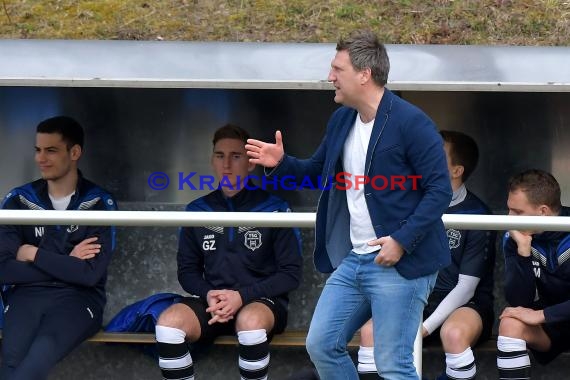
252	239
454	237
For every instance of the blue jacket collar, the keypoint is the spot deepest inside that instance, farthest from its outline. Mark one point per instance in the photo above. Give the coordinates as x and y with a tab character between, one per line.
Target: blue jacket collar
382	115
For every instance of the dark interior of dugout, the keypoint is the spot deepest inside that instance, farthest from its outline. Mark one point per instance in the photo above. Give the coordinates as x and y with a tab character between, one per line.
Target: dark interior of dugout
134	132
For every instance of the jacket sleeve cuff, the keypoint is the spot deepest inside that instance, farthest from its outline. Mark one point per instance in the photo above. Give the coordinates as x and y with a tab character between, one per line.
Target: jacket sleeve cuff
245	296
404	243
557	313
277	169
39	258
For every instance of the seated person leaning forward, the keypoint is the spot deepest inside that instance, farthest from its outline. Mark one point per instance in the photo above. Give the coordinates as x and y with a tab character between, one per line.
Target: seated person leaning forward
238	277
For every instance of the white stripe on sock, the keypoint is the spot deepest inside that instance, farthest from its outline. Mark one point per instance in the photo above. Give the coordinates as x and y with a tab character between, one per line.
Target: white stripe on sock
508	344
366	362
252	337
514	362
170	335
460	374
176	363
456	361
254	365
180	378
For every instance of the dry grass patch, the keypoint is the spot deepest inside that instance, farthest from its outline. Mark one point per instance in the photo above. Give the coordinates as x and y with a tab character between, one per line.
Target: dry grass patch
522	22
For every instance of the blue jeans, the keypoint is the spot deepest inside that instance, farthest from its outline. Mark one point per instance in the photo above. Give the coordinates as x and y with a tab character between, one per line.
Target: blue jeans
357	289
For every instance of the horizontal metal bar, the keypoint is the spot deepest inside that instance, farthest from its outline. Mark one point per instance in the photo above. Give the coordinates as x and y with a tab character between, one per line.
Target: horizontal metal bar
157	218
246	84
478	86
256	219
507	222
253	84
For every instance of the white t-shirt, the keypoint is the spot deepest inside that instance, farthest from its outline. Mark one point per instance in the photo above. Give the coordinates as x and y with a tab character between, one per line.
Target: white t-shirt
61	203
353	160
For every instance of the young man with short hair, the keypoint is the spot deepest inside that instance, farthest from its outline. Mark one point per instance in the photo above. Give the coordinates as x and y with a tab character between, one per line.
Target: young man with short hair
537	280
56	274
238	277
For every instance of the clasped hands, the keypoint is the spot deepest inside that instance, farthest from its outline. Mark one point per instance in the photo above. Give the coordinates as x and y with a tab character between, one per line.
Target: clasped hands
223	304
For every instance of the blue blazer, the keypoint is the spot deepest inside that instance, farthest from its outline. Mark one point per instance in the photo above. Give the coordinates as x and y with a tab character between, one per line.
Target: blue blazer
404	142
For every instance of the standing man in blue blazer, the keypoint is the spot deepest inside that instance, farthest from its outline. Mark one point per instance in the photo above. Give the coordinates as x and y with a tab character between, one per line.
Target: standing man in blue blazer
379	227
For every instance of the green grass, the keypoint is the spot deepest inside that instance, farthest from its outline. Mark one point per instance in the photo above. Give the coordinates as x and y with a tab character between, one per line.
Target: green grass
522	22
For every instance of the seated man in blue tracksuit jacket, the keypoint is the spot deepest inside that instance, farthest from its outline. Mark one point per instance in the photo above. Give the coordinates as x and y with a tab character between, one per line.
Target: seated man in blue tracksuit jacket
57	273
238	277
537	280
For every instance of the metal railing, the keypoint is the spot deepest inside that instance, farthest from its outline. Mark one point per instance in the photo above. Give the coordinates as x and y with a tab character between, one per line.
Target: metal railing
257	219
